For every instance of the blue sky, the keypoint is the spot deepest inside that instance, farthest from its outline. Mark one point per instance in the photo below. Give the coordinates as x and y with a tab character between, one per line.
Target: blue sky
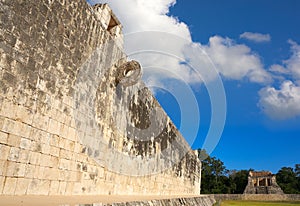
250	138
255	49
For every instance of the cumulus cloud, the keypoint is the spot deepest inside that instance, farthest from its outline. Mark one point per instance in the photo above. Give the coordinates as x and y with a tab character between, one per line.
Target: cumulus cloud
293	63
290	66
236	61
256	37
282	103
278	69
148	29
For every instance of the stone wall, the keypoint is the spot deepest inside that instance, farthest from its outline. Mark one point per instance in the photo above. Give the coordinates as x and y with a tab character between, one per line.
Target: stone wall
257	197
190	201
68	100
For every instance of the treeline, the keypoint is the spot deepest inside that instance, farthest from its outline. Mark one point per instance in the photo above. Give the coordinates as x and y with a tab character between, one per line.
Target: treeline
216	179
288	179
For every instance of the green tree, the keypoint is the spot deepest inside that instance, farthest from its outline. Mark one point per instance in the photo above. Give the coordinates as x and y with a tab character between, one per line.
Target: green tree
214	175
287	180
239	180
297	171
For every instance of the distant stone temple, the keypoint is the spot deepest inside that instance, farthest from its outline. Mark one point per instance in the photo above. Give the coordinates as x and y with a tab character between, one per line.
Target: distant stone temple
262	182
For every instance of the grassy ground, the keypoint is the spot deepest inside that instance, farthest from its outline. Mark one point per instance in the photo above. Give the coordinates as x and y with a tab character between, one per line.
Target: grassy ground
257	203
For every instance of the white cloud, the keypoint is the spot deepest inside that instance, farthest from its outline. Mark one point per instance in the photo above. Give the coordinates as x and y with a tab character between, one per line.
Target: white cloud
293	63
232	60
236	61
284	103
291	66
276	68
256	37
281	104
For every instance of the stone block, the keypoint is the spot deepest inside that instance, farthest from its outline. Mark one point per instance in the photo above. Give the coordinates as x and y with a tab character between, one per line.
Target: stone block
14	154
46	138
37	171
73	165
65	154
61	142
64	164
69	188
1	183
36	146
73	176
64	175
45	149
69	145
50	173
10	186
34	158
79	176
54	127
8	109
10	169
3	137
14	169
72	134
101	172
77	188
73	123
54	151
8	126
54	186
24	156
25	131
62	188
68	121
22	186
52	113
38	187
25	143
40	121
4	151
54	140
17	128
23	114
36	134
2	120
80	157
3	166
54	162
56	103
14	140
30	171
68	101
60	116
45	160
86	176
77	147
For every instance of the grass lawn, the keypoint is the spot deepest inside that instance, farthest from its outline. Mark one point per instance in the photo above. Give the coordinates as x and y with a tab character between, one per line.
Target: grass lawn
258	203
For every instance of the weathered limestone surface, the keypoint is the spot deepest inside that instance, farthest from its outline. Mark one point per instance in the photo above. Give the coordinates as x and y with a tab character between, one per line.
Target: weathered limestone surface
70	104
191	201
108	200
